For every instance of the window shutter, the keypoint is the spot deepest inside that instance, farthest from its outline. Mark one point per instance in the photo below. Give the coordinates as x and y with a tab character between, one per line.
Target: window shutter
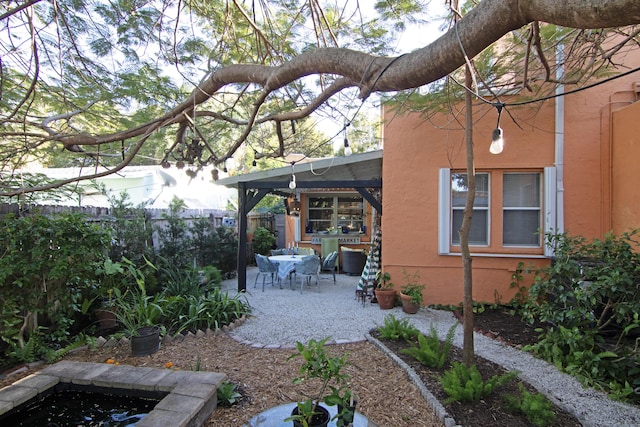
444	211
550	206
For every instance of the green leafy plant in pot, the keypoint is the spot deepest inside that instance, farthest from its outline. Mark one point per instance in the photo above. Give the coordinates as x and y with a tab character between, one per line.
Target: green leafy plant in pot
345	400
411	293
111	276
385	293
139	313
327	371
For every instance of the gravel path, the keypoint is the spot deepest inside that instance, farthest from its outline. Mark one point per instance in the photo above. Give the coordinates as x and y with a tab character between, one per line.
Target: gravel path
283	316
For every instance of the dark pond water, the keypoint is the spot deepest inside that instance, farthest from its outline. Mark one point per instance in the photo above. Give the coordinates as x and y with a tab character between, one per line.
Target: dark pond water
76	408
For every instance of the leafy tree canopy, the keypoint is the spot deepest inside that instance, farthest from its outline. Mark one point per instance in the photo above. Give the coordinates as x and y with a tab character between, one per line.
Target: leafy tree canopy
199	81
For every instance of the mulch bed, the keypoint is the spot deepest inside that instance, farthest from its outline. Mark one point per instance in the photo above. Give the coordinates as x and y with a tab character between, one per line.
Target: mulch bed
498	323
491	410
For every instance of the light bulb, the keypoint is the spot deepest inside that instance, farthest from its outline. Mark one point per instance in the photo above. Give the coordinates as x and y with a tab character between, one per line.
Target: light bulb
292	183
347	150
497	142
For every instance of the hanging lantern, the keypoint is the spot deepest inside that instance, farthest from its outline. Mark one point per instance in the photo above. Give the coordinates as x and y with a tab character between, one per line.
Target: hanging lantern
293	206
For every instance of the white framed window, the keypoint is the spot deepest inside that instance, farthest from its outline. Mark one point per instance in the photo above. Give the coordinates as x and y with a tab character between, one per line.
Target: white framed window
521	203
521	209
479	232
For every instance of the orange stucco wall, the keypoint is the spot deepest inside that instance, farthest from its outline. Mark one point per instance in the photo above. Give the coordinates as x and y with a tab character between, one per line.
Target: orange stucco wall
416	148
625	199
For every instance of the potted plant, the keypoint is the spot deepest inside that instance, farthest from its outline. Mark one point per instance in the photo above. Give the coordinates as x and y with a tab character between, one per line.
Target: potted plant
112	276
411	293
385	293
327	372
139	313
345	401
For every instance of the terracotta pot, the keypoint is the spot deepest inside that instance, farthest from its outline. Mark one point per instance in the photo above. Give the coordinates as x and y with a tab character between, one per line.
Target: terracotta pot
408	306
386	298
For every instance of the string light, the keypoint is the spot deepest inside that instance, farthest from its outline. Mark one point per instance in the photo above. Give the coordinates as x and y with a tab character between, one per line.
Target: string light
347	150
292	183
497	140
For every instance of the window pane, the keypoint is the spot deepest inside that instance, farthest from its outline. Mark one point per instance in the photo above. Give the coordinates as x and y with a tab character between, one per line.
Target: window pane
320	202
459	187
521	227
521	190
350	213
320	213
521	209
478	234
331	212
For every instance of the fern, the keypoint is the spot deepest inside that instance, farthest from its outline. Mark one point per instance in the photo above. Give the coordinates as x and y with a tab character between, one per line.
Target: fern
464	384
430	351
25	353
538	410
394	329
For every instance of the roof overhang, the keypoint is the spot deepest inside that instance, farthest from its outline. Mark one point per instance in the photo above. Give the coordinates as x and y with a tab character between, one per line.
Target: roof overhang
361	172
357	168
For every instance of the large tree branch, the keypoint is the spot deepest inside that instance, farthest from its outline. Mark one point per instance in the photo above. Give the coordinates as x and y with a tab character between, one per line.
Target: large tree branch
480	28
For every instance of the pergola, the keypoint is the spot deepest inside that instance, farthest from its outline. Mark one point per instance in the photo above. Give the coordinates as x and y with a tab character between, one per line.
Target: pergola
361	172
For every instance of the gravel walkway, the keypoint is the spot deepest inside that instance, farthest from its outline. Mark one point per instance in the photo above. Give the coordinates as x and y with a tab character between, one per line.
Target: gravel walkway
283	316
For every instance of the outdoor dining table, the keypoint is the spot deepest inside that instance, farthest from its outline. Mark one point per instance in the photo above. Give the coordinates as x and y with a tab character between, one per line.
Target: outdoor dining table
286	264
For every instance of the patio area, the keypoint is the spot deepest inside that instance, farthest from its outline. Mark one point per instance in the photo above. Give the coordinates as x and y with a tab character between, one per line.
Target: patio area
280	317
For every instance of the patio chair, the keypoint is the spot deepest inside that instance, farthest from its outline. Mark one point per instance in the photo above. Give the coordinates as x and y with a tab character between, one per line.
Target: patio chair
305	251
266	268
307	268
329	264
275	252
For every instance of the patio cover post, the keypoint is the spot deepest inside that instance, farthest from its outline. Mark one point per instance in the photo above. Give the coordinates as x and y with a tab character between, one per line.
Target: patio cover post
242	237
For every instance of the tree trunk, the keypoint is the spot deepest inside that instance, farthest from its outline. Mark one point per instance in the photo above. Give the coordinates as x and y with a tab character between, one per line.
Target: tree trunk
467	304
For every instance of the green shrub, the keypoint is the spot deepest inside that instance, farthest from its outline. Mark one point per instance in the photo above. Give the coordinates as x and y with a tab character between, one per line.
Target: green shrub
211	276
130	230
263	241
430	351
394	329
227	254
47	269
590	297
538	410
205	241
464	384
178	281
175	241
191	313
